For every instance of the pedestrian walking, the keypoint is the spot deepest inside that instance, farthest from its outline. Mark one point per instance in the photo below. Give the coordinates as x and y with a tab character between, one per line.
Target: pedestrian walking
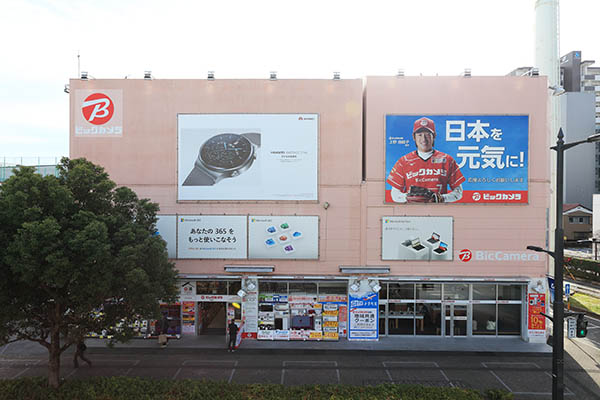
233	330
164	327
80	353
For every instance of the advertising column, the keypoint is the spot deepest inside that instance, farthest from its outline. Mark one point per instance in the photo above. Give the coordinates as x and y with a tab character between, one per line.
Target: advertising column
250	308
363	314
536	322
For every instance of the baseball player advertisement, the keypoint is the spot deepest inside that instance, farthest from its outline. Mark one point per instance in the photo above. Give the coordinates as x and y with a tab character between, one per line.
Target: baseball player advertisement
456	158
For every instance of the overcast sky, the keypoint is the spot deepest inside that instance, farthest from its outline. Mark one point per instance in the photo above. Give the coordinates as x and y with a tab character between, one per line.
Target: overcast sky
247	39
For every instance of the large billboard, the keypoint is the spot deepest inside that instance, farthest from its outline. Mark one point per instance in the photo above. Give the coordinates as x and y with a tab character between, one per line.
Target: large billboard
456	158
416	238
290	237
247	156
211	236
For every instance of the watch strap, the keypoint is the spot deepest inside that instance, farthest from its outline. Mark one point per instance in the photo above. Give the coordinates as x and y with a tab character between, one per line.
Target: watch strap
199	177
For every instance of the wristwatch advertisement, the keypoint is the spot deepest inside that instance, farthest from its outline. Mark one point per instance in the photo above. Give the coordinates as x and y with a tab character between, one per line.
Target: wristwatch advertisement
247	157
225	155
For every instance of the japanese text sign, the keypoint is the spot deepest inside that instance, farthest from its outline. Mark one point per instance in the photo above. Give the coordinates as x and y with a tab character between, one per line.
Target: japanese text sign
463	158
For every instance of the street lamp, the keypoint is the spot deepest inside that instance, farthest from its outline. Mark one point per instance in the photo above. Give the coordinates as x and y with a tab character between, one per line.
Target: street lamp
558	320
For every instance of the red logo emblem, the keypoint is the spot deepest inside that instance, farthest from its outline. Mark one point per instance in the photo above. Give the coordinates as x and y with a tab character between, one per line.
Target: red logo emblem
465	255
97	108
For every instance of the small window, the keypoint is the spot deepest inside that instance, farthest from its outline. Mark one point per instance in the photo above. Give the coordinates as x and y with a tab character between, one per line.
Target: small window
571	220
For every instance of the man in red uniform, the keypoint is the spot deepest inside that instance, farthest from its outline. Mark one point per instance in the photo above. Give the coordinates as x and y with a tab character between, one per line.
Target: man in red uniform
424	175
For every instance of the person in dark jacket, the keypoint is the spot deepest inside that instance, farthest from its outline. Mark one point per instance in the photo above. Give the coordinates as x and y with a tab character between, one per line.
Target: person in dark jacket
233	330
80	353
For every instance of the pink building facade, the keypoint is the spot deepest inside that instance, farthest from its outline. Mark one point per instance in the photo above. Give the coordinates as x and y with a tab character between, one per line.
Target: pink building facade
281	205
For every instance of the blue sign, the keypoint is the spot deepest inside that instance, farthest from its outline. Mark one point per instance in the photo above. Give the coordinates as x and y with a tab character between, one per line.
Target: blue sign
551	285
363	316
458	158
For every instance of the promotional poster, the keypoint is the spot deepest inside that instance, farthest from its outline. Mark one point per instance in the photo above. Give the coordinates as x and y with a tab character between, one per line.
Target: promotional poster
456	158
247	156
211	236
289	237
364	316
417	238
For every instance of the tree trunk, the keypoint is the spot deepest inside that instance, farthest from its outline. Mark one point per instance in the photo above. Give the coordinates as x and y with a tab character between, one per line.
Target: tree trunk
54	360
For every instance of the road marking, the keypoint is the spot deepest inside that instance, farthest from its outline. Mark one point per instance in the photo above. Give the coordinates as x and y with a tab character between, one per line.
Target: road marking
25	370
435	364
232	372
308	364
134	365
566	388
509	363
501	381
176	373
207	363
4	348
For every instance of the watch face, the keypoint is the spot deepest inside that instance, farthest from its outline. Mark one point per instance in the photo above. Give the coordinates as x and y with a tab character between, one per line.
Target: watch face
226	151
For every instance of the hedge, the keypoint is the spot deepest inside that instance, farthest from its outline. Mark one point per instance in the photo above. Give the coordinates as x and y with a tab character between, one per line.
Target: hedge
581	268
129	388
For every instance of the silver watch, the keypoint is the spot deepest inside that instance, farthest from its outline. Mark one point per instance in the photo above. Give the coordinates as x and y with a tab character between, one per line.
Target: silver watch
223	156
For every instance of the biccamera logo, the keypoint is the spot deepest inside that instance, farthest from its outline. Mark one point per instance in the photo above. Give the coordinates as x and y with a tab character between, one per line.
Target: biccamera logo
98	108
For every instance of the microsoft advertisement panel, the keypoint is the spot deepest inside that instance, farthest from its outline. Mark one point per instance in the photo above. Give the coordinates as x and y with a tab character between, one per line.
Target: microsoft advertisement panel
283	237
417	238
247	156
456	158
211	236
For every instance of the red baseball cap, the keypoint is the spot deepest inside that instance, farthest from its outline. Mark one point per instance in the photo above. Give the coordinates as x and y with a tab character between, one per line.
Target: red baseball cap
424	123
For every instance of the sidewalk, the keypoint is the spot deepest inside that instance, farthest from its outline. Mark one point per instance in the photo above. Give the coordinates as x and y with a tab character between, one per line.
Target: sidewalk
398	343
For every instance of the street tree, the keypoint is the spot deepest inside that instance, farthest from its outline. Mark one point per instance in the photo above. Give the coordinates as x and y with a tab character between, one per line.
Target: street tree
78	255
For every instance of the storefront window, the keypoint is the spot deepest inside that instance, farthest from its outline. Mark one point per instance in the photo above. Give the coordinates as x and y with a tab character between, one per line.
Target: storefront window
429	291
273	287
484	319
234	287
303	287
401	319
484	292
382	313
509	292
211	287
456	291
333	288
383	293
509	319
402	291
428	319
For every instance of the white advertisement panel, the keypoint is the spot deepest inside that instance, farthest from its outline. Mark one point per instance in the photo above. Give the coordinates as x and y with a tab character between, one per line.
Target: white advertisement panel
283	237
247	156
166	227
416	238
211	236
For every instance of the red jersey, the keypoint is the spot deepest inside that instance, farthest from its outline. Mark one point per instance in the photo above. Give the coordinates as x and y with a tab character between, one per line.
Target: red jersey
436	173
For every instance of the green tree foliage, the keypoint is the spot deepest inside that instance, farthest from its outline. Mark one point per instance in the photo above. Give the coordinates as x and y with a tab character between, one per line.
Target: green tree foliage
73	245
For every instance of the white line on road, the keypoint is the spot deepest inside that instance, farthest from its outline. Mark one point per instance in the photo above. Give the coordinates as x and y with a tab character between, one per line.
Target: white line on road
4	348
501	381
207	363
232	372
25	370
485	364
176	373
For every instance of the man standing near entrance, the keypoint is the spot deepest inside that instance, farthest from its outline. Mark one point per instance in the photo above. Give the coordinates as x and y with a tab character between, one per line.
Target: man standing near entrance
233	330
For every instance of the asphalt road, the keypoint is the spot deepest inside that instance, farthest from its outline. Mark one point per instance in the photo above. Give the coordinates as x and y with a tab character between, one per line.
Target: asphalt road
527	376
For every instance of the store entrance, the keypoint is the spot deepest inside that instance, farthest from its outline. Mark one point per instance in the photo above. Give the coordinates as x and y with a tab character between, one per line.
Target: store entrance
455	320
212	318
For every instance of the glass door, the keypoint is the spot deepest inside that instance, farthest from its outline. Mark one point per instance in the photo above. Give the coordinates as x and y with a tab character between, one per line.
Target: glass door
455	319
